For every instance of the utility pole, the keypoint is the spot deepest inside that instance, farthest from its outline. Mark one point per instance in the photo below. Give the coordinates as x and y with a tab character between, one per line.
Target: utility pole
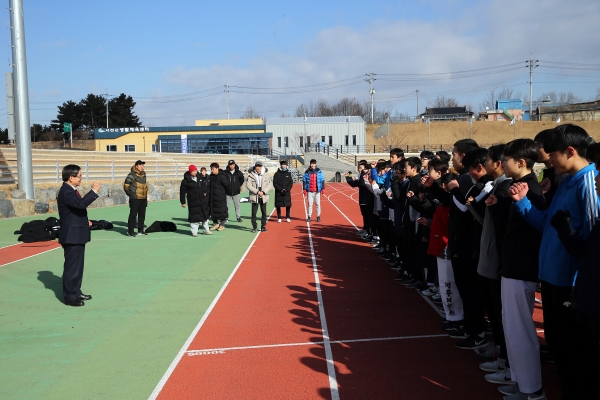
106	108
227	96
21	93
417	103
531	64
370	79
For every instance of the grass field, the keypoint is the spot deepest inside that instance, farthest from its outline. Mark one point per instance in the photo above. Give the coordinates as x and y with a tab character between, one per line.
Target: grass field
148	295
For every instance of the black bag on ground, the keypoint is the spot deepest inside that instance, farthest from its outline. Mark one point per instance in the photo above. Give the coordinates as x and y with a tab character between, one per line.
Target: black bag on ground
38	230
161	226
100	224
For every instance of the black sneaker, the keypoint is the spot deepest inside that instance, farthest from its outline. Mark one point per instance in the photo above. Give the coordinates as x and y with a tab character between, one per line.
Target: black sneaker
318	219
472	342
142	233
131	234
253	230
407	282
239	220
459	334
308	219
263	229
422	286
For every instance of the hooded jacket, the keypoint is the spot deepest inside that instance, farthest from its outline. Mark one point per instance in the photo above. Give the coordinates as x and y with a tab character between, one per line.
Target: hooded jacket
254	183
575	194
135	184
283	182
313	180
219	186
236	180
196	193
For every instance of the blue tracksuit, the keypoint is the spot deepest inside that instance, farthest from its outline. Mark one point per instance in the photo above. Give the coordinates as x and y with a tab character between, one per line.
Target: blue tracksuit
577	195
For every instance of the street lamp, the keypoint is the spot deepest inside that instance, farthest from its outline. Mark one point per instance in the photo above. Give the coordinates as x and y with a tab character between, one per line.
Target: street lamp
144	137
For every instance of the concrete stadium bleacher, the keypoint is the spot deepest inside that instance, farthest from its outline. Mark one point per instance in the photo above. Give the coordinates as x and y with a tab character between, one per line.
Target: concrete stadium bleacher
105	166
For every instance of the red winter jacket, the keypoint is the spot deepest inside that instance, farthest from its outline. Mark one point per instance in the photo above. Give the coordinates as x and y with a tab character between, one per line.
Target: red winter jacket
438	237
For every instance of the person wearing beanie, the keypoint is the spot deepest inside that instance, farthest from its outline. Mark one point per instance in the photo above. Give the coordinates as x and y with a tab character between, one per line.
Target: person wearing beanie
197	193
283	182
236	180
313	184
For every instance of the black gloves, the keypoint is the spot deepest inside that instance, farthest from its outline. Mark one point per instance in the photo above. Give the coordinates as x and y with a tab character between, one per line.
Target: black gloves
561	221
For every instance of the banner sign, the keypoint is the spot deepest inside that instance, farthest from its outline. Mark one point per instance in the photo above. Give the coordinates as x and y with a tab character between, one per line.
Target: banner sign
184	144
122	130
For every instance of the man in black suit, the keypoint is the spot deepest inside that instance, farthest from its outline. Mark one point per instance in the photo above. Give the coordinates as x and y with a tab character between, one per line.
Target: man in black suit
74	232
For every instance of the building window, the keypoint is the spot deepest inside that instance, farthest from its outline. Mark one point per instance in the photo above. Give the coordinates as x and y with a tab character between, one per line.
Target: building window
323	139
308	141
111	147
331	140
130	147
154	148
301	141
286	142
346	140
353	140
279	142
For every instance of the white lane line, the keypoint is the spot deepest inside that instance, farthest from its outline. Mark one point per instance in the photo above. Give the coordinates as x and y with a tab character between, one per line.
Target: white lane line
187	343
333	386
427	299
6	247
21	259
268	346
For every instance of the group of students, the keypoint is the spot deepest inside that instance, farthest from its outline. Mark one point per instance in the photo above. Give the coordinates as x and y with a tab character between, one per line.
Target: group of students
481	236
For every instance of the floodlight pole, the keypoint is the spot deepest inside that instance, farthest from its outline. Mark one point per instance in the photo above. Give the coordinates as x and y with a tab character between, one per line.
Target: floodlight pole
370	79
21	92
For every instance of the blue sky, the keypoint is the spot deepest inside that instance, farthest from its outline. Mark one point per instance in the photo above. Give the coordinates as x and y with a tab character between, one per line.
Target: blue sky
150	49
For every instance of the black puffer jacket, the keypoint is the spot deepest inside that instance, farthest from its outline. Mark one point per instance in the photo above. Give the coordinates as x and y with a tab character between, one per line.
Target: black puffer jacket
219	187
236	180
198	197
283	182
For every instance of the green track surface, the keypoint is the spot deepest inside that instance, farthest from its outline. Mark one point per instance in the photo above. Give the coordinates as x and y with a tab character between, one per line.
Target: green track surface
149	293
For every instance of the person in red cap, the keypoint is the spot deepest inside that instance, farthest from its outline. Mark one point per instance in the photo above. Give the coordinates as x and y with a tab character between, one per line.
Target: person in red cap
197	193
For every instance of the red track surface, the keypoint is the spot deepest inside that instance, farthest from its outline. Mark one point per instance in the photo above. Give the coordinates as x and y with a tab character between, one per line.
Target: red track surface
20	251
272	300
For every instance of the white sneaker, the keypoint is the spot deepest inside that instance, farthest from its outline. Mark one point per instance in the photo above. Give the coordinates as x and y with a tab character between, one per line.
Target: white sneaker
509	389
279	220
493	366
430	291
501	377
288	220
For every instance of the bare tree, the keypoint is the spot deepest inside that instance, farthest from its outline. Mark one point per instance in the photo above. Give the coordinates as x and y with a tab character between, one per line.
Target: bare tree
598	93
443	102
250	113
284	115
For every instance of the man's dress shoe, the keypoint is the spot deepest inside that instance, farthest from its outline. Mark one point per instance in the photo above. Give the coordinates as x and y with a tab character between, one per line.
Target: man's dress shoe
75	303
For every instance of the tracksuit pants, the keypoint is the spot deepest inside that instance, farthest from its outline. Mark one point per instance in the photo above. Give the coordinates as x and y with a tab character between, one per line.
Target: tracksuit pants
195	225
520	333
137	208
236	203
451	301
314	197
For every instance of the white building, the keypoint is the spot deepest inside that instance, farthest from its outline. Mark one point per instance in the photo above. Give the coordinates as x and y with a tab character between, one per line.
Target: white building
293	134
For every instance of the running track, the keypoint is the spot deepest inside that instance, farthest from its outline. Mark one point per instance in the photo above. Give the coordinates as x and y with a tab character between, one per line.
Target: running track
311	312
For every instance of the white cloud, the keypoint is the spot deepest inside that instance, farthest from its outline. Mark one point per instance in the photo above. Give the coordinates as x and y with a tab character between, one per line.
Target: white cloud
486	35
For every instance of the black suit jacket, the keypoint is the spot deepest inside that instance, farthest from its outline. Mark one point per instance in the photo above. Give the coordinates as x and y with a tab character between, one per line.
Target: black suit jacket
74	227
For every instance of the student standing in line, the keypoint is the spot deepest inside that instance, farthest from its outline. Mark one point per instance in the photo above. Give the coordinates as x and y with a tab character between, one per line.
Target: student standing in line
283	183
566	148
519	258
314	185
74	232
